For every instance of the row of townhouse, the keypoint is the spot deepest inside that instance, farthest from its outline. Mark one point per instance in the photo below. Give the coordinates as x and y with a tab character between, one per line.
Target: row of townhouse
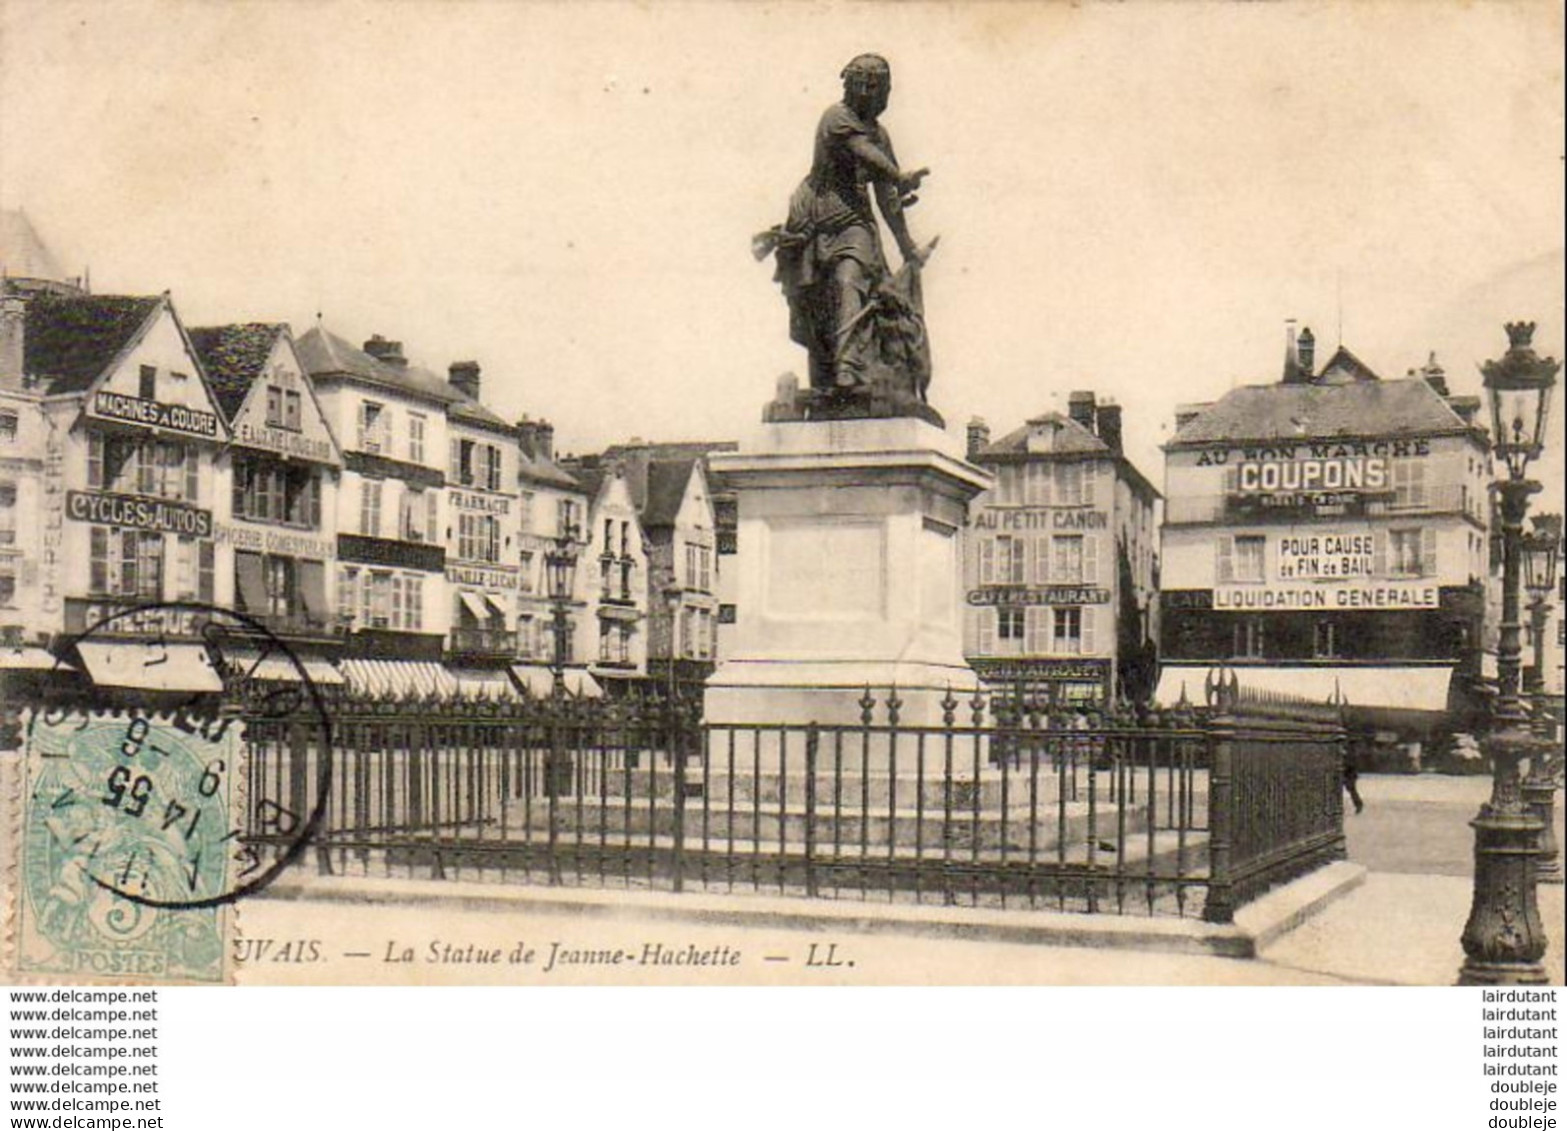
375	516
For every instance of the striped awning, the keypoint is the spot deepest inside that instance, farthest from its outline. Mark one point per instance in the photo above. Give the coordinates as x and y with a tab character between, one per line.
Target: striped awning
539	681
29	658
252	663
399	679
149	665
474	683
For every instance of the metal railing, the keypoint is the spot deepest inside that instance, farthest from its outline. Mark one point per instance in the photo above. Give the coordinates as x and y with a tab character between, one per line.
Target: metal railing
1187	812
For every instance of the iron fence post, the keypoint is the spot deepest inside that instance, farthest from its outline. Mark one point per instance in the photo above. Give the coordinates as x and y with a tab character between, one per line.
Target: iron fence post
812	740
677	754
1219	907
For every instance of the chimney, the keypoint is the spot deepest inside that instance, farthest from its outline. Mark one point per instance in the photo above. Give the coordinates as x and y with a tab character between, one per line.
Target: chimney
1080	407
978	436
1306	351
464	377
544	441
1109	421
1292	370
386	351
13	323
1435	375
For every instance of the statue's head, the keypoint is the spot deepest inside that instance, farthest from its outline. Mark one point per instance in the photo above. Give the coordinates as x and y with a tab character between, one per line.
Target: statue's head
867	84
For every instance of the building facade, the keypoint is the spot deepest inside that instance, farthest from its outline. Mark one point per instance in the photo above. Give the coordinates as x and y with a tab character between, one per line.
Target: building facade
277	545
616	566
391	422
1326	536
1060	560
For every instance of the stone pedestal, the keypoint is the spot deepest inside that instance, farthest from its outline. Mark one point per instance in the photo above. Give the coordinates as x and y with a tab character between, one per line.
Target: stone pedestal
848	574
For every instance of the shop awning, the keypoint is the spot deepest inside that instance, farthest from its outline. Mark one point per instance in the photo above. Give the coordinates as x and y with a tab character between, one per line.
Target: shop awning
475	606
479	684
1395	687
275	666
539	681
496	603
29	658
399	679
149	665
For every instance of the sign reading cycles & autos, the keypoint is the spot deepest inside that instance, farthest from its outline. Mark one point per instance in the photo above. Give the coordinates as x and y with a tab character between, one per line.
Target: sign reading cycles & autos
131	513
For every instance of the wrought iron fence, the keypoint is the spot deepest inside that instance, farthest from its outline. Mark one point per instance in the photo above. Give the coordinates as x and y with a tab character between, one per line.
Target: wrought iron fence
1179	813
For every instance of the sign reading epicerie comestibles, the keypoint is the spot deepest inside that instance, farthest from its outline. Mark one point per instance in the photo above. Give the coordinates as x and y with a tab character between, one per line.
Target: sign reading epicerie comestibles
155	414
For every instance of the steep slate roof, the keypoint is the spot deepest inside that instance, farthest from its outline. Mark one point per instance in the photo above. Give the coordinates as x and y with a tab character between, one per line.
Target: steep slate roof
666	489
1071	439
1290	412
325	355
22	254
70	340
531	469
233	356
470	411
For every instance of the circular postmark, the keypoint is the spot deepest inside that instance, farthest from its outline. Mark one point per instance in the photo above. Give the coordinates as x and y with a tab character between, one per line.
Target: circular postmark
193	777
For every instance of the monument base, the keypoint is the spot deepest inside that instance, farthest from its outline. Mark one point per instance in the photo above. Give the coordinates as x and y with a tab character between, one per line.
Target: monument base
847	576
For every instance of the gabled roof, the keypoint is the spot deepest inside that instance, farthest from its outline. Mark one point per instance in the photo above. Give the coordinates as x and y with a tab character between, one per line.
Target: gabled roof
666	490
1071	439
1344	366
70	340
22	254
1291	412
325	355
532	469
470	411
233	356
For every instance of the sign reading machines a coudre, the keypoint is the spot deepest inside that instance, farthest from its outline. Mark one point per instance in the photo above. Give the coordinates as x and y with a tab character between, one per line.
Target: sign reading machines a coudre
156	414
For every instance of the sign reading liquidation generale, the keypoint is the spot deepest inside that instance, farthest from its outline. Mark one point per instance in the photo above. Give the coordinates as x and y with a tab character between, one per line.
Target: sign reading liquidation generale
1325	597
174	417
132	513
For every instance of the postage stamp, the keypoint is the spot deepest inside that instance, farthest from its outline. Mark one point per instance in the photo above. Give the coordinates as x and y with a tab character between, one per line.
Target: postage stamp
136	823
129	836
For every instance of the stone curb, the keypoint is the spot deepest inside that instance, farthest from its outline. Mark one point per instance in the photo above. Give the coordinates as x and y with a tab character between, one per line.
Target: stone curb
1258	924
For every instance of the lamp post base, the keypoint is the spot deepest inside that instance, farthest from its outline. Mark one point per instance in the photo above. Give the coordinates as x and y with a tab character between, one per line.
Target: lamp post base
1504	939
1539	794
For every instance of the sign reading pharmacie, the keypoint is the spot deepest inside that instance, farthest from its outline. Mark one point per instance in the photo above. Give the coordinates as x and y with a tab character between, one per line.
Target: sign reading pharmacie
104	508
1043	595
155	414
1327	597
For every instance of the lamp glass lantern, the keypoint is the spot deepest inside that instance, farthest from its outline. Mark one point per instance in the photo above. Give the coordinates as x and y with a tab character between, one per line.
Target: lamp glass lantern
560	565
1519	387
1542	551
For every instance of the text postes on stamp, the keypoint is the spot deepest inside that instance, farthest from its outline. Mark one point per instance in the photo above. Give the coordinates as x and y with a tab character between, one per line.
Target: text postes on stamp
141	822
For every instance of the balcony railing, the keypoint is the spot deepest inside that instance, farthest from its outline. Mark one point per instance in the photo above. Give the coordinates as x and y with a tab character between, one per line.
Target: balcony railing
484	641
1456	499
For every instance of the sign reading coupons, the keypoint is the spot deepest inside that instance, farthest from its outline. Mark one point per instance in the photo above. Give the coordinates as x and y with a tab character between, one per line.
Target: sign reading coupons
1327	597
174	417
132	513
1325	557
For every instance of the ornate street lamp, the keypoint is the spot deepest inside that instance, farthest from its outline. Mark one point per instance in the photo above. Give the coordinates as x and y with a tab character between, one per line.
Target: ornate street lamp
560	568
1504	939
1541	556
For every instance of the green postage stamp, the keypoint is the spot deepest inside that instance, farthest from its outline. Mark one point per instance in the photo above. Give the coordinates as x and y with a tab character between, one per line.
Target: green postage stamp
130	846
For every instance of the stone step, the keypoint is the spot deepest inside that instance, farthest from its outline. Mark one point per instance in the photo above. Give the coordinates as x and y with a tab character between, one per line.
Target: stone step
852	789
904	827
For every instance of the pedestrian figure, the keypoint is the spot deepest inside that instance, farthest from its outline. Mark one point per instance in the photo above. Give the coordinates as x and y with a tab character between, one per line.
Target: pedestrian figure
1352	780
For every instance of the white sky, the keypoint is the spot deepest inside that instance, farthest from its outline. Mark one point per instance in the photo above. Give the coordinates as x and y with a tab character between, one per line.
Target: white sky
1131	198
